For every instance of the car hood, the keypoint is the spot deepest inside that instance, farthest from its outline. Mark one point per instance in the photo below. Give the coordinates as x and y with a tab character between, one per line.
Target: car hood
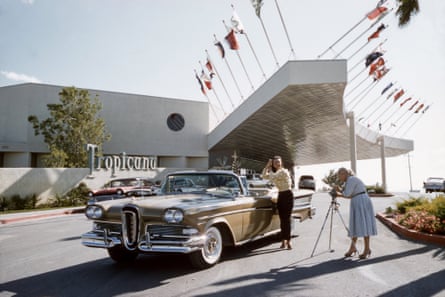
154	206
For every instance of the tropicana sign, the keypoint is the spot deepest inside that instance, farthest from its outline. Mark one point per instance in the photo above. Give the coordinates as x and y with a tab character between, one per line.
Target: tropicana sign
121	161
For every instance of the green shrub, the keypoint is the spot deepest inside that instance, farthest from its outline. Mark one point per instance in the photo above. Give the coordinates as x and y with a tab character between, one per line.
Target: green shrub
403	206
75	197
375	189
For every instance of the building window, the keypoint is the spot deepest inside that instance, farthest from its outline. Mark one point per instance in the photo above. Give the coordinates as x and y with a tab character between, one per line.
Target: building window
175	122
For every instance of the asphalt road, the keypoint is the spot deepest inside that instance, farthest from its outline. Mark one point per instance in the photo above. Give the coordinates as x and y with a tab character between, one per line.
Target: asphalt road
45	258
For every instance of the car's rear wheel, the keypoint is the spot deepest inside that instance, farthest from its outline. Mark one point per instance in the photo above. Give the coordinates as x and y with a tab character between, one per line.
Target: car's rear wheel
121	255
119	192
210	254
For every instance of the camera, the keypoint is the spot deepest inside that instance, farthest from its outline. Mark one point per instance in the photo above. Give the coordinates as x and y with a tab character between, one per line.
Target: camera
333	193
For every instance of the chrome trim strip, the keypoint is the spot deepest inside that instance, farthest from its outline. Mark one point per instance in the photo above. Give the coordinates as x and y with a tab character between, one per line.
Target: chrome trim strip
92	239
164	246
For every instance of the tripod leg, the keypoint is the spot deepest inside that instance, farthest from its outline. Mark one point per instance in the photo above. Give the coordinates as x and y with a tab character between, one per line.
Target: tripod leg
330	230
321	230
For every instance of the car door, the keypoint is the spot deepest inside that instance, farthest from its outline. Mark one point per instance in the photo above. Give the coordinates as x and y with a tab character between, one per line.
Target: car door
260	217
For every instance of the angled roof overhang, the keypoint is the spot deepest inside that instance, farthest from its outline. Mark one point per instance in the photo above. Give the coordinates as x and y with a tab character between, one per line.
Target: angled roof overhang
298	113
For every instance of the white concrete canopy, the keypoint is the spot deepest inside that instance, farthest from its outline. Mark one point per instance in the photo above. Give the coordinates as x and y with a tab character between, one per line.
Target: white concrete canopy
298	114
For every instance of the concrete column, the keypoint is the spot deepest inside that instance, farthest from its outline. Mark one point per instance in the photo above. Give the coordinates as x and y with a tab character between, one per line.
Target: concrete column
383	161
352	142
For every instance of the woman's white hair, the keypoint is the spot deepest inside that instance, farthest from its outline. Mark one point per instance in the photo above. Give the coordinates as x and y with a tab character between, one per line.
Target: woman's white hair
349	172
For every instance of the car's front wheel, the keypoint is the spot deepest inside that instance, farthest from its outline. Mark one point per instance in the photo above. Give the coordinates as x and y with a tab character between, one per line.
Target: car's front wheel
121	255
210	254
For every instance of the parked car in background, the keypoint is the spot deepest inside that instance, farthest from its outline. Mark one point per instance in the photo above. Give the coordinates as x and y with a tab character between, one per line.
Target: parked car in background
215	209
122	185
434	184
306	182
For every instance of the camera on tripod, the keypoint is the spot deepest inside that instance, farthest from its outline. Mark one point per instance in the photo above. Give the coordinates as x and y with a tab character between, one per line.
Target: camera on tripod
333	193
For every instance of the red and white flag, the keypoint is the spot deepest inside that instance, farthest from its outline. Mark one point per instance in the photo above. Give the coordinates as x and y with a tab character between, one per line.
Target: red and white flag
232	41
376	12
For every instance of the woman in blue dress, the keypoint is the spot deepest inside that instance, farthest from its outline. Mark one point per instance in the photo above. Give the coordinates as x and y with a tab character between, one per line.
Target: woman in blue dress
362	222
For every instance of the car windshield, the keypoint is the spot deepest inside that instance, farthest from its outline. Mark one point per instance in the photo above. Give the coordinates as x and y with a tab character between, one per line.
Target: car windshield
216	184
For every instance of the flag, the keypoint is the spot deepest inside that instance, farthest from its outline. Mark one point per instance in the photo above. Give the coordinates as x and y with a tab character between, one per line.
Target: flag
203	90
236	23
412	106
404	101
372	57
426	108
376	12
379	73
392	93
419	108
380	3
398	95
377	32
386	88
221	49
209	67
206	79
374	66
257	6
231	39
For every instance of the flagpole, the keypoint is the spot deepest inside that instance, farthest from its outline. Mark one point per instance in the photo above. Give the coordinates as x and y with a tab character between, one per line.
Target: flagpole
253	51
357	38
216	95
285	29
388	109
409	128
219	78
256	58
358	85
231	73
341	38
357	75
270	44
378	107
241	61
208	100
402	124
369	89
372	102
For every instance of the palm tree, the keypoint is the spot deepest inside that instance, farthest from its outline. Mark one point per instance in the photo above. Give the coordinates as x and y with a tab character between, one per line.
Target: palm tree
406	9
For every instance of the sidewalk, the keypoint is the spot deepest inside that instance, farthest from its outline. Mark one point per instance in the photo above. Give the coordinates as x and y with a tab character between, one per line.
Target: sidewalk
38	214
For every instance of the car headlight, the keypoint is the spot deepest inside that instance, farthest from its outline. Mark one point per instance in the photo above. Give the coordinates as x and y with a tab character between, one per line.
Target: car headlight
94	212
173	215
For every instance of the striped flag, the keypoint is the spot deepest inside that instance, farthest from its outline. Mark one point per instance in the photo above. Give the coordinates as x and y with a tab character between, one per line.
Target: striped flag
257	6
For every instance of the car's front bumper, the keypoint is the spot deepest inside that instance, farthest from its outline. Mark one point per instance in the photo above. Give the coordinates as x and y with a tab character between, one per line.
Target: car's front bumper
100	239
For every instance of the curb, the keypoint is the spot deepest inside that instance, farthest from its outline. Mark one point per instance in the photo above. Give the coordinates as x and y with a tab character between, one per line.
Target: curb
26	217
411	234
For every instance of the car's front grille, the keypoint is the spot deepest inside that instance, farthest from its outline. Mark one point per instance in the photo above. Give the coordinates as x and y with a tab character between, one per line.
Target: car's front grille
130	227
159	232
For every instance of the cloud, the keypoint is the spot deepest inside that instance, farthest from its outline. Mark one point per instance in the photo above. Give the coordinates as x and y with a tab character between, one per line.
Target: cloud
20	77
29	2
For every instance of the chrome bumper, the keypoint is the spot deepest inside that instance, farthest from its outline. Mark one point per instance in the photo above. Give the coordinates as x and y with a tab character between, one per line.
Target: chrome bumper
165	246
94	239
101	240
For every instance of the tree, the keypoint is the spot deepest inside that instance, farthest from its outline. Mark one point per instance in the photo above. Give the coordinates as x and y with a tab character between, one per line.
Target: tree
72	124
331	179
406	9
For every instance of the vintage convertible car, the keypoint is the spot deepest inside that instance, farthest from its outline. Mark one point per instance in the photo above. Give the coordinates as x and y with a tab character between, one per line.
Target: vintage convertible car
219	212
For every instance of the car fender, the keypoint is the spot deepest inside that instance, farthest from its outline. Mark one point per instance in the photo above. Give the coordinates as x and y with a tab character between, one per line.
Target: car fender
227	231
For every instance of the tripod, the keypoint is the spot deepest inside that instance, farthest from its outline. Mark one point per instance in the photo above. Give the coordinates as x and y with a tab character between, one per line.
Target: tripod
332	208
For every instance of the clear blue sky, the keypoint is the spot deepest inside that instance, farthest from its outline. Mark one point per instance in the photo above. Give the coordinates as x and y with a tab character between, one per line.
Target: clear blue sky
152	47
